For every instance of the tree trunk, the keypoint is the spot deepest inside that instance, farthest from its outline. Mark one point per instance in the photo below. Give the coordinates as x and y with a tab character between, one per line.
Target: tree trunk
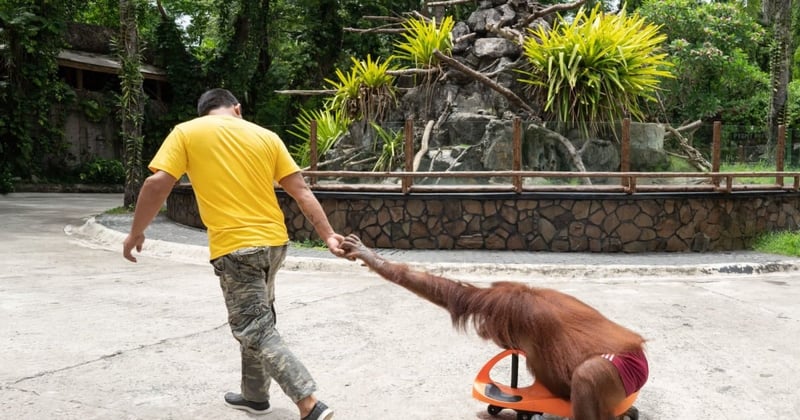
131	100
778	13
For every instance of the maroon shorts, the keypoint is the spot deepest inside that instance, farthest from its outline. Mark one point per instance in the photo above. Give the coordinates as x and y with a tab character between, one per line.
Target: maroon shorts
632	368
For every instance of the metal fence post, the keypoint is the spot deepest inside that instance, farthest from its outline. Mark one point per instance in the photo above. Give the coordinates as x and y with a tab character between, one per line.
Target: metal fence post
625	152
517	154
313	150
716	150
409	155
780	153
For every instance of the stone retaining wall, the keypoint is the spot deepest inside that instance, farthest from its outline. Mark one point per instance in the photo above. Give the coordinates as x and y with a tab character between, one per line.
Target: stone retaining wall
540	221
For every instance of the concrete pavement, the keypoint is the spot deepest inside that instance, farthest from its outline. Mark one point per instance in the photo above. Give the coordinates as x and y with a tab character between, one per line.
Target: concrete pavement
88	335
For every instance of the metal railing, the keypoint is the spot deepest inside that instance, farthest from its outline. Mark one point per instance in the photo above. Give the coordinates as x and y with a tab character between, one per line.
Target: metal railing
514	180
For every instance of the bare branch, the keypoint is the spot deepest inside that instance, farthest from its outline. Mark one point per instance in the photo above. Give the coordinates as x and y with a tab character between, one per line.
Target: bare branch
375	30
161	10
464	37
420	16
448	3
574	154
510	34
552	9
695	158
306	92
423	148
404	72
503	68
387	18
691	126
370	159
511	96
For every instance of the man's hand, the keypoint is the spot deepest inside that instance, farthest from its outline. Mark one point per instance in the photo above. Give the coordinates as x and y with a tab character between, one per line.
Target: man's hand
334	243
154	192
131	242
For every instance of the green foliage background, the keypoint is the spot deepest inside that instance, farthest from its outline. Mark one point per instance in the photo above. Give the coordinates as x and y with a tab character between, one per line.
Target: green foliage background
254	47
720	54
31	35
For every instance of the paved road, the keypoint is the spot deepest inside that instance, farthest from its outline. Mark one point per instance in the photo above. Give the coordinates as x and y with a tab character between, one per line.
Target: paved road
87	335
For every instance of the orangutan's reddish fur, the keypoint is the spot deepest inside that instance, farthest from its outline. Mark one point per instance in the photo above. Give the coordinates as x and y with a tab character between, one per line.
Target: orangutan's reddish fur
558	333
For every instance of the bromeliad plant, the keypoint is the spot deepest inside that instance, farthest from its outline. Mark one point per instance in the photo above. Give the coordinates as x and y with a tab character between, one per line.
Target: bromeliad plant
366	91
391	148
595	68
331	125
421	38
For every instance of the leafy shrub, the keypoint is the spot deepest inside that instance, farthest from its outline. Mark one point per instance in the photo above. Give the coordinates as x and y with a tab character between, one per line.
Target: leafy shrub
102	171
6	182
716	48
595	68
793	110
94	110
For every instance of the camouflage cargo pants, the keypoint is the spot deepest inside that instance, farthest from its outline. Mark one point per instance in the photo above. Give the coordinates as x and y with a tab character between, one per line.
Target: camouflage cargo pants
247	279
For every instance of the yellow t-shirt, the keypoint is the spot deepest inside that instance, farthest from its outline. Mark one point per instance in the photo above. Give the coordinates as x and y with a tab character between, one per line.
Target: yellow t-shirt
232	164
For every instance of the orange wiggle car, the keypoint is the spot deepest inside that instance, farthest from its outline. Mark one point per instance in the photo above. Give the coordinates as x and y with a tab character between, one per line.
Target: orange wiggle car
530	402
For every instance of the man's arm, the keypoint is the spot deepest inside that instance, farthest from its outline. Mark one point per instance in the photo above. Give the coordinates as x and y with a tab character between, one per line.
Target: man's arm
154	192
297	188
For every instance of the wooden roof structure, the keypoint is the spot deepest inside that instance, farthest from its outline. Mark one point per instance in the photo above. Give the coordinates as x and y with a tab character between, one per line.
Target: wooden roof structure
102	63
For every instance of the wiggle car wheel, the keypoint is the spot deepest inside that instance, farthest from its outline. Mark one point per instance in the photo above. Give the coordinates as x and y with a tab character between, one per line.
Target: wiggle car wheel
494	410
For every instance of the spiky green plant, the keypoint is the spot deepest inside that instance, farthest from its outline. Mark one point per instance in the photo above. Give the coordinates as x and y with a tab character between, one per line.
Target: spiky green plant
377	87
373	74
421	38
347	87
595	68
366	91
391	148
331	125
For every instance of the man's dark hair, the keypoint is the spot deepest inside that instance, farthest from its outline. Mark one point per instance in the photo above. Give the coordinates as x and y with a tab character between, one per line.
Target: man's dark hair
213	99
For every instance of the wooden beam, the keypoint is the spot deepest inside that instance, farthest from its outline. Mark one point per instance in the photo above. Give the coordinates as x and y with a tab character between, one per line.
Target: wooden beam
302	92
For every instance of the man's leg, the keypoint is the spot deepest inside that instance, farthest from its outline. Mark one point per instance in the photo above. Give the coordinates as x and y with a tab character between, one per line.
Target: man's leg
247	280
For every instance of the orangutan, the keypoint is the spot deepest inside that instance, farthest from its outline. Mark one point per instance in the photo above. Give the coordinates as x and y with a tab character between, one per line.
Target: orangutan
570	347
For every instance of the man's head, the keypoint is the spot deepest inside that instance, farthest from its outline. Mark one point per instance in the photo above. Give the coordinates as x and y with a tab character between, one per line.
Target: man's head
216	99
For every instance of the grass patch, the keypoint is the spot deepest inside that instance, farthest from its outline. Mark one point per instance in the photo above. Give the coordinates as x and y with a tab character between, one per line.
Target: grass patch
119	210
310	243
678	164
129	210
753	167
783	243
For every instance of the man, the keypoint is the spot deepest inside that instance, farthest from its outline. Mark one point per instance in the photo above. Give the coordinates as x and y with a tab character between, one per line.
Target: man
233	165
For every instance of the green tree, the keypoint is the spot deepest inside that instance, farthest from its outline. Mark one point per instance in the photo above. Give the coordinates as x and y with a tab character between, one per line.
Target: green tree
796	38
778	13
716	49
131	99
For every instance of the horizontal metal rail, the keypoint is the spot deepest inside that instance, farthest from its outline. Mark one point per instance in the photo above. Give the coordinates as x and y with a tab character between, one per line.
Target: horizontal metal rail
701	181
514	180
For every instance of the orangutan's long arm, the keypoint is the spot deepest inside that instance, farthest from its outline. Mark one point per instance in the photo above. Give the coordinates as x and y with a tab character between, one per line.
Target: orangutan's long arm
438	290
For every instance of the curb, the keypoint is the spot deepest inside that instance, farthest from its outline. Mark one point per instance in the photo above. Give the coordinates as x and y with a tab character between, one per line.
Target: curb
94	235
